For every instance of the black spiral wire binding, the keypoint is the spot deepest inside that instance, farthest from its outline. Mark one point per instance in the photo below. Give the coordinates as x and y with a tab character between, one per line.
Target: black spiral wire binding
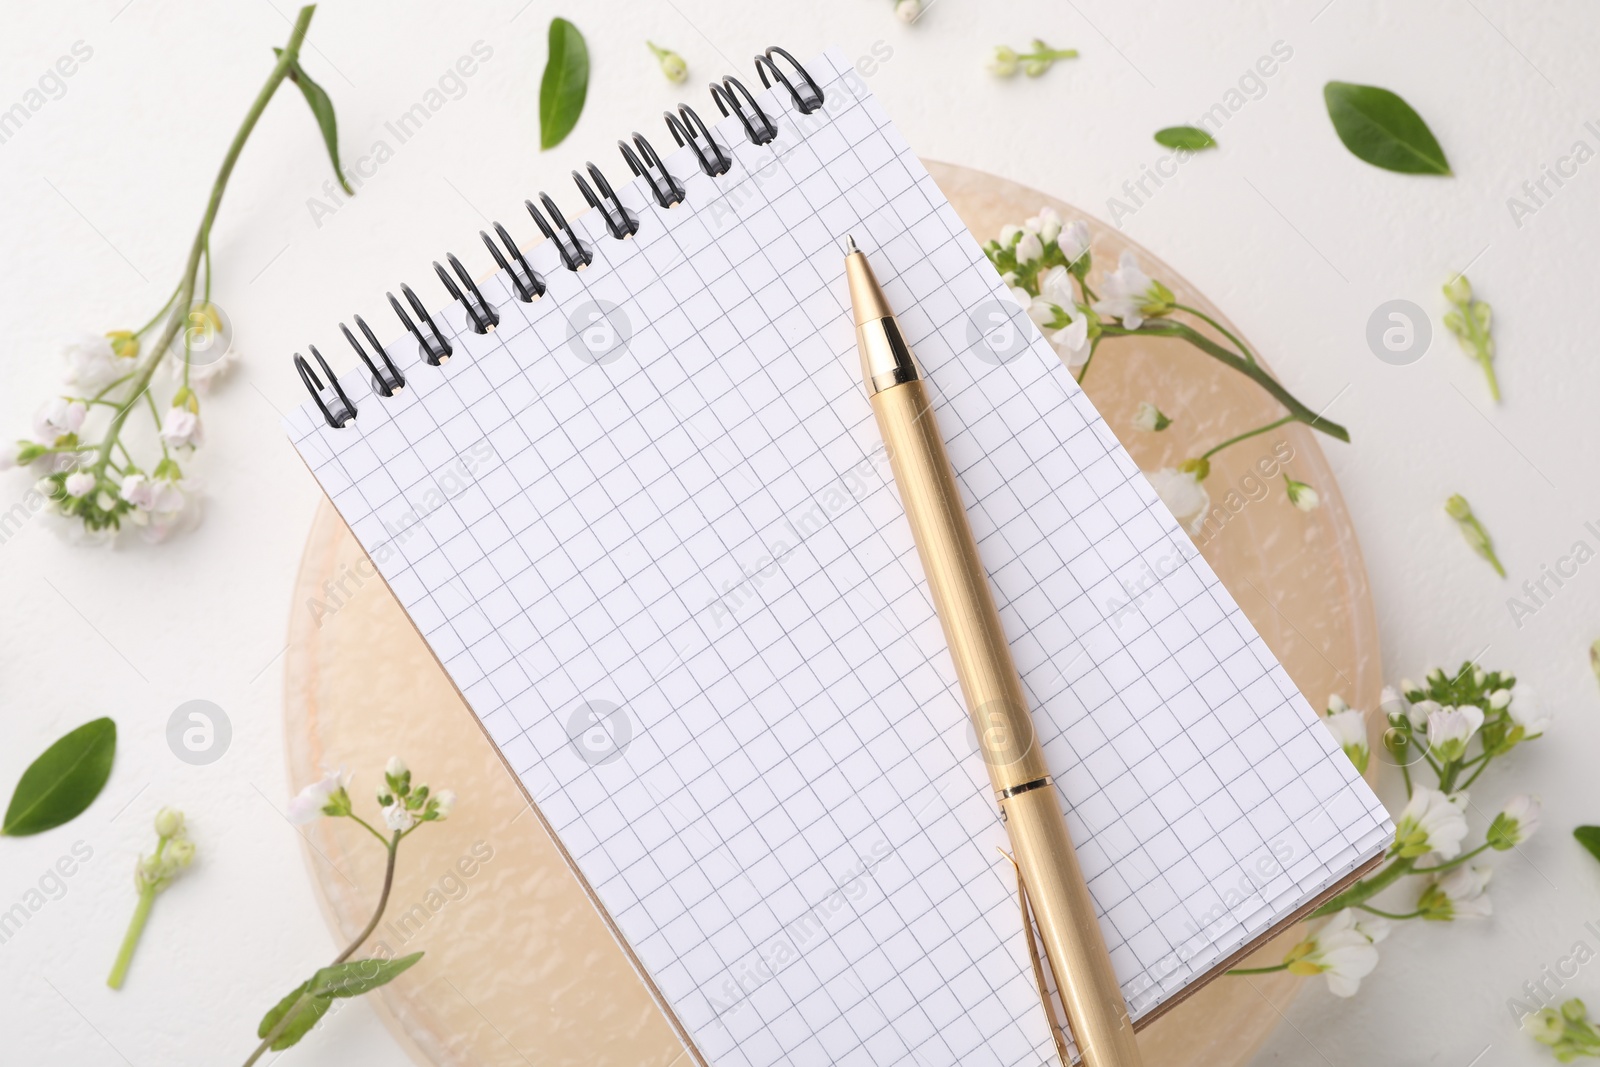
524	279
435	349
482	313
667	189
683	131
687	128
759	128
313	384
806	104
619	220
385	384
573	252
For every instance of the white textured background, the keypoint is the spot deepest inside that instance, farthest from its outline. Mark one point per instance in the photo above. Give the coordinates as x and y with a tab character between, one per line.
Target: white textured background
1294	237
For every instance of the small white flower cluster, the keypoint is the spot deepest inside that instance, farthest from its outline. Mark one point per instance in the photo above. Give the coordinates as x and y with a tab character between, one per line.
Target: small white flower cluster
1041	261
95	487
403	806
1443	719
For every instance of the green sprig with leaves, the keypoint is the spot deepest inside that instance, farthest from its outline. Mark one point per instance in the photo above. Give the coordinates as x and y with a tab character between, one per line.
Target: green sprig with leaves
405	809
91	476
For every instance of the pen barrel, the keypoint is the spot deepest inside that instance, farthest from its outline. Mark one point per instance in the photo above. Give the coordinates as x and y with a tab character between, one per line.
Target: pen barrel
1096	1010
960	586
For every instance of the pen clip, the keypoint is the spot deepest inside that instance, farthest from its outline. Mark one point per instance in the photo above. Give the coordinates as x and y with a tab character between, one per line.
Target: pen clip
1057	1030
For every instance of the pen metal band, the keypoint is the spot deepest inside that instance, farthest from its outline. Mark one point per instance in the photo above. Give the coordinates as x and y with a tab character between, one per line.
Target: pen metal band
1007	793
886	359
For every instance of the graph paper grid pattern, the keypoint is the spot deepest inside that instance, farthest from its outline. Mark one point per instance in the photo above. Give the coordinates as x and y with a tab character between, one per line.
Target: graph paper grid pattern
648	527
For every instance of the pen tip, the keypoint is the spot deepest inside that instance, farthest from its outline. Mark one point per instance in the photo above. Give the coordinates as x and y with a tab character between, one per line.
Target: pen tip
849	244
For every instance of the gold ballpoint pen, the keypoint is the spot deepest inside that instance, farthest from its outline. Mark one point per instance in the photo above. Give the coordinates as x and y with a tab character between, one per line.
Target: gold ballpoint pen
1097	1014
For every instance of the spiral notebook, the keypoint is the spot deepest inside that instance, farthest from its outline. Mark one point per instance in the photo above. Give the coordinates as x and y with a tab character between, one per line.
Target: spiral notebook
630	490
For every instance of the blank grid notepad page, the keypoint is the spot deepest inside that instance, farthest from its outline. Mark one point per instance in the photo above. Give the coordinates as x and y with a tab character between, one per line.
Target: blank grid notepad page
668	568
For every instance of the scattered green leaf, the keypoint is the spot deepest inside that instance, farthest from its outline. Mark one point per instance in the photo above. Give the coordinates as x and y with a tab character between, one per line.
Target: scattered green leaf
564	85
355	977
63	781
306	1014
1589	838
322	110
1382	129
1191	137
310	1000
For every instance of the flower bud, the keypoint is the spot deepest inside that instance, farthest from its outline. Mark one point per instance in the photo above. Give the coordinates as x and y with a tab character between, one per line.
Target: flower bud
1003	62
169	822
1499	698
396	767
1199	467
908	10
672	64
1458	290
124	344
444	803
180	853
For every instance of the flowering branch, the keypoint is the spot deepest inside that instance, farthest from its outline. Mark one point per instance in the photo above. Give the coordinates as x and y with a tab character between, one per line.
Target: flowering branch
97	482
405	809
1436	724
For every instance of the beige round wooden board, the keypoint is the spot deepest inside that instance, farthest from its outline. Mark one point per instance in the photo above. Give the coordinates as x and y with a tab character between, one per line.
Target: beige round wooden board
519	967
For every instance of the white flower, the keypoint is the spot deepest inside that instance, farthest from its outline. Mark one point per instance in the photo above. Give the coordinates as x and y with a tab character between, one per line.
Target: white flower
157	496
444	803
905	11
1516	822
1342	950
1544	1026
1450	731
1149	418
1003	62
1131	295
92	362
1009	235
1047	224
396	817
1055	311
1336	704
314	798
205	367
1458	895
1074	241
1183	495
181	428
57	418
1524	712
1419	713
1030	249
80	483
1393	705
1301	495
1349	728
1431	822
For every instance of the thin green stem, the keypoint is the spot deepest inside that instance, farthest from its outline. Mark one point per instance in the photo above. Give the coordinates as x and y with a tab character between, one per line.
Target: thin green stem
1244	349
185	293
130	940
1246	436
1390	914
1458	861
1364	890
1171	328
1260	970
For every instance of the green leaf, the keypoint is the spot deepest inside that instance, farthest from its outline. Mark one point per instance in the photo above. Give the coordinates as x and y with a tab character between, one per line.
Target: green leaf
565	83
322	109
1191	137
305	1017
1382	129
355	977
62	782
1589	838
